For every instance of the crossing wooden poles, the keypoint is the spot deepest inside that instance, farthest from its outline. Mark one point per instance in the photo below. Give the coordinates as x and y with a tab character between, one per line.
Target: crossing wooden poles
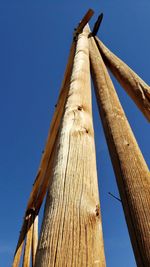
132	173
71	233
136	88
41	182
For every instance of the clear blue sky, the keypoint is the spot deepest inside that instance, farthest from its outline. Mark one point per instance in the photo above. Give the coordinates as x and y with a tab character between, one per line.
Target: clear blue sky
35	37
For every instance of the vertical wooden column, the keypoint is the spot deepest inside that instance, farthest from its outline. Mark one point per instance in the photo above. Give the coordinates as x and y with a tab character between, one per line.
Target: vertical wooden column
131	171
71	233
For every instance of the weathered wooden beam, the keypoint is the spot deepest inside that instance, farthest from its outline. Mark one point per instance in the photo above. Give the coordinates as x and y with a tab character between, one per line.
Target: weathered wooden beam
136	88
18	254
57	116
53	132
58	113
132	173
84	21
28	244
46	181
71	233
34	239
65	87
43	187
19	248
41	181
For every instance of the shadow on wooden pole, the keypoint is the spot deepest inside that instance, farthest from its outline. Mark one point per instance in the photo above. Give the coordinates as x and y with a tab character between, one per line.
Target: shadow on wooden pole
132	173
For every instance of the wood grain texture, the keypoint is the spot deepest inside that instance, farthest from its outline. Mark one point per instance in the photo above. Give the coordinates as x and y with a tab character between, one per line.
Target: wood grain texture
54	127
136	88
28	244
71	233
41	182
56	119
42	179
34	239
131	171
20	244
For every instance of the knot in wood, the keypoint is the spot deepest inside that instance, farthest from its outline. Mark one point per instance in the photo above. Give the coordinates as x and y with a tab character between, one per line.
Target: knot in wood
80	108
97	210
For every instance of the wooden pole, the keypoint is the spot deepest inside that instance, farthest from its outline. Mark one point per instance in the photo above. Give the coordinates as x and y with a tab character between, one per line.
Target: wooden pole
41	182
71	233
21	241
131	171
28	244
136	88
34	239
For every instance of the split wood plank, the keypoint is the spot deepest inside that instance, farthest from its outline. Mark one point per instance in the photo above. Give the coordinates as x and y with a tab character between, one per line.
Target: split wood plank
132	173
28	244
71	233
136	88
34	240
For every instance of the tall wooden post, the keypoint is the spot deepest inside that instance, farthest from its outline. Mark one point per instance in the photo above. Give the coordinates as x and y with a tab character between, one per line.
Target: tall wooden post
71	233
132	173
136	88
42	180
